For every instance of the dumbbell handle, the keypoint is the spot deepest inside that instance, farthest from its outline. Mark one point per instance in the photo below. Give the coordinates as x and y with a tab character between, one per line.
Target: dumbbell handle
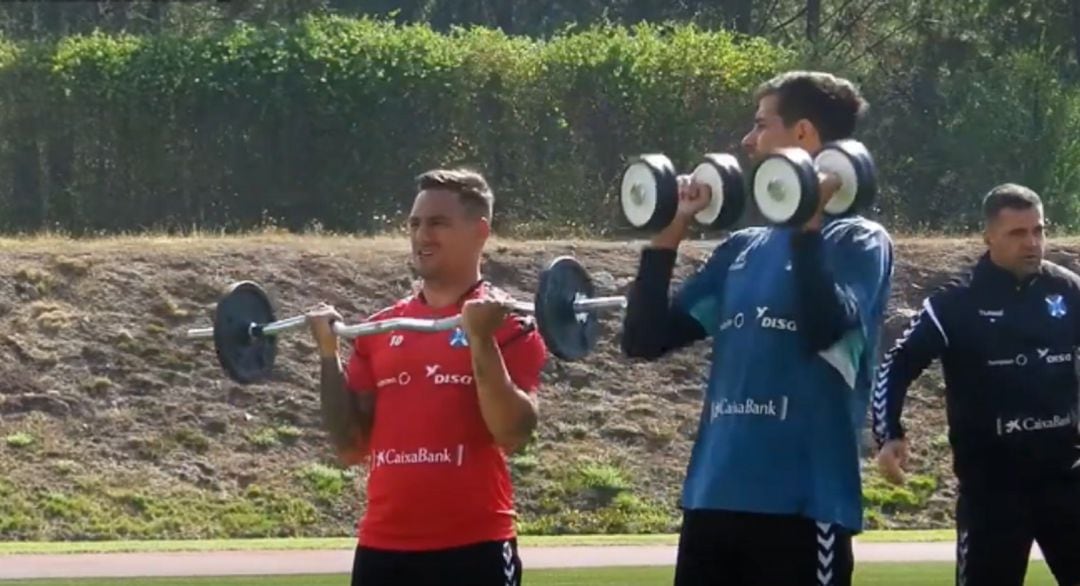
402	323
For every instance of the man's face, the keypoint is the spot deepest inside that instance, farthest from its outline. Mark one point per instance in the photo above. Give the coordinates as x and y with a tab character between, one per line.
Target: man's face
769	132
446	241
1015	240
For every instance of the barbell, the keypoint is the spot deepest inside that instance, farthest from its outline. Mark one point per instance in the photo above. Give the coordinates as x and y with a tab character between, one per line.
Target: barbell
785	186
245	330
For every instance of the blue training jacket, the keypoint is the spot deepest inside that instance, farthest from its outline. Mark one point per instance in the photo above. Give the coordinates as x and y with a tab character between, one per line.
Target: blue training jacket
794	320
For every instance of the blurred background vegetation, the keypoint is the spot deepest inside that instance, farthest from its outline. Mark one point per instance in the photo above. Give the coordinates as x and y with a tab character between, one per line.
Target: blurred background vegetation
316	114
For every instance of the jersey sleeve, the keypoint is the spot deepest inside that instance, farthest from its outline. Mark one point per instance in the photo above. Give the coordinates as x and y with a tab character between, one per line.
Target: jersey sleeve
524	353
653	325
841	300
701	295
923	341
359	376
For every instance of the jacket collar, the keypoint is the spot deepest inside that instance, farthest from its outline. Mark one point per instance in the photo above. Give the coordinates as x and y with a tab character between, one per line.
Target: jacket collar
989	273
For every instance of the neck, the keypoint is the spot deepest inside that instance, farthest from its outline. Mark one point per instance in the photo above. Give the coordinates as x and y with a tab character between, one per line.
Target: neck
439	293
811	146
1019	273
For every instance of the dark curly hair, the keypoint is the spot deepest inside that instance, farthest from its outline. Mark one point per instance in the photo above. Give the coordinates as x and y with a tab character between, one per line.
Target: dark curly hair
832	104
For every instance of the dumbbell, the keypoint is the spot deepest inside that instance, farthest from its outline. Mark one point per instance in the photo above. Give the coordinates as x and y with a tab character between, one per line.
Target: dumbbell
786	185
650	191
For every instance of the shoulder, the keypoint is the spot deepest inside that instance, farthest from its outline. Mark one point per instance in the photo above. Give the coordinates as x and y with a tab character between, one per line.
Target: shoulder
749	234
954	290
1061	274
397	309
739	240
857	230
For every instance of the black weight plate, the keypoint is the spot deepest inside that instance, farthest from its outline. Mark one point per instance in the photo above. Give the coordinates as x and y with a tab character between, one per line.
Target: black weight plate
649	192
245	358
568	335
851	160
721	169
786	187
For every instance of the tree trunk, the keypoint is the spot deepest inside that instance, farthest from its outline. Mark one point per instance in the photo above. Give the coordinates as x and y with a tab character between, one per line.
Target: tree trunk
27	205
813	20
504	15
1076	29
739	15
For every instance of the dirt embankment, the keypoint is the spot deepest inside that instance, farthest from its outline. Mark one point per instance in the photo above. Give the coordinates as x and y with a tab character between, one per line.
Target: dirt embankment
112	424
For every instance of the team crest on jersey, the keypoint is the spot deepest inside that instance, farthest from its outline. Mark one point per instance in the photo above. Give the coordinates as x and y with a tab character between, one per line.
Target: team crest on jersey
1055	305
458	339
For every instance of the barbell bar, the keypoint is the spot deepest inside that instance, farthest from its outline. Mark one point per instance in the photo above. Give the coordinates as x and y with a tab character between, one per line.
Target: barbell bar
362	329
245	331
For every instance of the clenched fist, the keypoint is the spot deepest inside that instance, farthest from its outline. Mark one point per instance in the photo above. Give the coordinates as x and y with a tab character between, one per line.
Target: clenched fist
892	459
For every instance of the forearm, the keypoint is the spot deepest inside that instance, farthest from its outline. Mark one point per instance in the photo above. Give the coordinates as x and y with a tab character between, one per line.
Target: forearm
672	235
347	431
509	413
897	371
651	325
825	313
888	404
919	345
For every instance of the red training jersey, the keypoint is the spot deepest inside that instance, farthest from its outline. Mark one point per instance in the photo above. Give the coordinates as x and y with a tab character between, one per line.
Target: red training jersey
436	477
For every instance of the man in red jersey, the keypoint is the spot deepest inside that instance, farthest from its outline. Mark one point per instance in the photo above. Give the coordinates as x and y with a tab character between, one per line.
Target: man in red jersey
433	414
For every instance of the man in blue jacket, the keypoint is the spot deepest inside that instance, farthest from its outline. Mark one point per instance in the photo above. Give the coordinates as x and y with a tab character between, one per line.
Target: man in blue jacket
773	489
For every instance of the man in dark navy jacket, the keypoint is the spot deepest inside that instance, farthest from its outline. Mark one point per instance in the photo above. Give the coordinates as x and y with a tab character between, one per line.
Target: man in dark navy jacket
1006	335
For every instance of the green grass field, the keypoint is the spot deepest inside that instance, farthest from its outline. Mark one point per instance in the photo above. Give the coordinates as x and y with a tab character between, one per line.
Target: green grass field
64	547
869	575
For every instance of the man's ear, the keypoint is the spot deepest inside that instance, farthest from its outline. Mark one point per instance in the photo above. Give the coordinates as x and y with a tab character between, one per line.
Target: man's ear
484	226
802	128
807	135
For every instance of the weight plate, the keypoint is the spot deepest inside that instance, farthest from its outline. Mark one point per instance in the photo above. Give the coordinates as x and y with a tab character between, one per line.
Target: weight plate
785	187
852	162
569	335
723	174
245	358
649	192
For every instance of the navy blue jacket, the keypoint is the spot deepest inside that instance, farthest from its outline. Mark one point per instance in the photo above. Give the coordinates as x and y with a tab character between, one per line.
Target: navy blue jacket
1007	349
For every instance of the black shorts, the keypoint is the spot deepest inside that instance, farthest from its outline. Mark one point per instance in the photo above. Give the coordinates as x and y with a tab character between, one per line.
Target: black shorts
736	549
492	563
996	527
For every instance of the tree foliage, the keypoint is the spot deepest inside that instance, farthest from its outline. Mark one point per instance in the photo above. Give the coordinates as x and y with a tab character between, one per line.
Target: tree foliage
223	108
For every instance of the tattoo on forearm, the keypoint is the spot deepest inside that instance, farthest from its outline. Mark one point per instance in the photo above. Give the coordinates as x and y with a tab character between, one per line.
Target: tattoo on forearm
334	401
478	369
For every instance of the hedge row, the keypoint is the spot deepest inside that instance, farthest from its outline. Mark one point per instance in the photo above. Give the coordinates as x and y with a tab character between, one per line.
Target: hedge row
328	121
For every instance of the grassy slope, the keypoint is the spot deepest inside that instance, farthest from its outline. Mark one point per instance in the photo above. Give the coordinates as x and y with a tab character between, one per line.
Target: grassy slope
112	426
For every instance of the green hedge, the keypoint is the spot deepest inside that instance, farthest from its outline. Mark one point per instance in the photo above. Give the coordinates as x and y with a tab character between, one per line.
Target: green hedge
327	122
